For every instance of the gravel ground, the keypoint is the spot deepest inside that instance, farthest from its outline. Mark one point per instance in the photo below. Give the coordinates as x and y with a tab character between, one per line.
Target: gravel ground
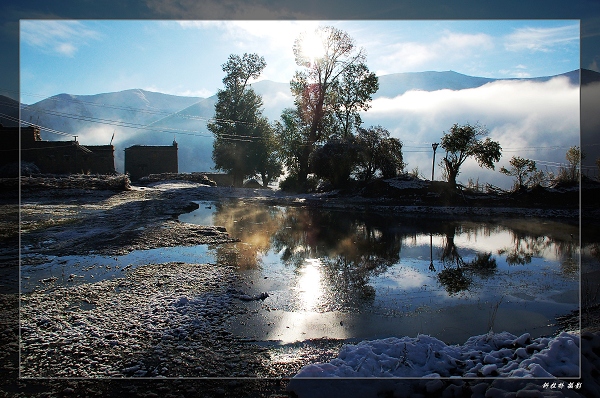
159	320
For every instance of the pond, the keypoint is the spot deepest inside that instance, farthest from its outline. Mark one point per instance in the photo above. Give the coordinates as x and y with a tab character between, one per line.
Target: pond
355	276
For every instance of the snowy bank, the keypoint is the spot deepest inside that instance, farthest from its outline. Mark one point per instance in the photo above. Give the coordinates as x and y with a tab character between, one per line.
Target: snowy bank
493	354
492	365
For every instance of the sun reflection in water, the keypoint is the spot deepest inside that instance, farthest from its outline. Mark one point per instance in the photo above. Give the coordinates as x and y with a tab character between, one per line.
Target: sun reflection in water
309	284
307	320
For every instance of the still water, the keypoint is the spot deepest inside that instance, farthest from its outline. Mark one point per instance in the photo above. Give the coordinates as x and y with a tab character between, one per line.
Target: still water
338	275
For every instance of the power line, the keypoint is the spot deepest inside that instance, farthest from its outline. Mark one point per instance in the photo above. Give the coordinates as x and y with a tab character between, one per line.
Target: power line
17	120
227	137
155	111
120	123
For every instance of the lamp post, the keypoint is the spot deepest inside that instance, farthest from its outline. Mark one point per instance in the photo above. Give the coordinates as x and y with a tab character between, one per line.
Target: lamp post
431	266
434	146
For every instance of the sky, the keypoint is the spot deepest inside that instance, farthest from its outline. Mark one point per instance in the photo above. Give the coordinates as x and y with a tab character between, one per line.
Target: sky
185	57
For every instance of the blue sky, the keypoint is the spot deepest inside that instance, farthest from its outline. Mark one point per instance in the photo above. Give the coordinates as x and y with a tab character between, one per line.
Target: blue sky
185	57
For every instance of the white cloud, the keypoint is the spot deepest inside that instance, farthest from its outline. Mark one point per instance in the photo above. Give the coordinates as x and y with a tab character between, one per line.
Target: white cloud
465	41
411	55
542	39
67	49
56	36
521	116
450	46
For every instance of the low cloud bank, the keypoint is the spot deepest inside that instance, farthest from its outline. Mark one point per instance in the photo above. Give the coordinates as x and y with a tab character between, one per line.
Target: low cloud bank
534	120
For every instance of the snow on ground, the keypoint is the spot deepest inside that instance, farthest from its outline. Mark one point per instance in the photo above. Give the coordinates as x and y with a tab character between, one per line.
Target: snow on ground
493	354
490	365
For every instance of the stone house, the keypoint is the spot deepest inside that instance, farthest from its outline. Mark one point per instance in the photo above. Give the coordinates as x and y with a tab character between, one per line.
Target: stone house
143	160
55	157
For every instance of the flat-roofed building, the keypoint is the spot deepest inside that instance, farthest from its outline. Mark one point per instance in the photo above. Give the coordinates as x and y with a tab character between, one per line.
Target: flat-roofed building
143	160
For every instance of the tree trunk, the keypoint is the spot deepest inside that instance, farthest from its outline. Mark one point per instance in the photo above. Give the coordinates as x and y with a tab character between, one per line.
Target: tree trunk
265	179
303	169
452	177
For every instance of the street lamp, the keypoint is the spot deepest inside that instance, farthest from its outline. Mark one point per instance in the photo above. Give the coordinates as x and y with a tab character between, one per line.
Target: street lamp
434	146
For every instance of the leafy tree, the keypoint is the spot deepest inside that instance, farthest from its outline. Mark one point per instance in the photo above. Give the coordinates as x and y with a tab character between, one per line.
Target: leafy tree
242	134
291	132
268	164
465	141
379	153
522	169
351	93
333	67
335	160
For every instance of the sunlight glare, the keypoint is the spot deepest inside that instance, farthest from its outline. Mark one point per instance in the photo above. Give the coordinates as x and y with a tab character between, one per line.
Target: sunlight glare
313	46
309	284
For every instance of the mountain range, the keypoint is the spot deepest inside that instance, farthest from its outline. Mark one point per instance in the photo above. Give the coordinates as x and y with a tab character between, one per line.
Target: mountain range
143	117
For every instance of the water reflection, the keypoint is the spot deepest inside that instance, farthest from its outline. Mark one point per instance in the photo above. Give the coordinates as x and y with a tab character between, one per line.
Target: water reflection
309	284
319	264
457	275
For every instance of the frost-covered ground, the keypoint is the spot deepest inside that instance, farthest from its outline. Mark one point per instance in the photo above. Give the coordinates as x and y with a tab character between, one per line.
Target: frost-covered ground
491	365
160	320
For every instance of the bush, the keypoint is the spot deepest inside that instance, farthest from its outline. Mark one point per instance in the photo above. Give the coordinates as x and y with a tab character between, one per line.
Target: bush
335	161
291	184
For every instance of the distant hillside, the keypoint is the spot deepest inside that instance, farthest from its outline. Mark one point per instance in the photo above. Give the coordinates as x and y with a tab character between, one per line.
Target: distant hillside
589	76
398	83
74	113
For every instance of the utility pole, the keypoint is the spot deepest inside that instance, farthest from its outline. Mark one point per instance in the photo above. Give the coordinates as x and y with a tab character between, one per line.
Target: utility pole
431	266
434	146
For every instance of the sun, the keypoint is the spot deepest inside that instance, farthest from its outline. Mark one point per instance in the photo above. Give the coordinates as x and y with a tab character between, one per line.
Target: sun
312	46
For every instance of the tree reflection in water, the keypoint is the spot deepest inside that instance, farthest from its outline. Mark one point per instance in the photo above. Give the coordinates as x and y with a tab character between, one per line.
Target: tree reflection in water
253	225
351	251
452	277
457	275
340	252
527	245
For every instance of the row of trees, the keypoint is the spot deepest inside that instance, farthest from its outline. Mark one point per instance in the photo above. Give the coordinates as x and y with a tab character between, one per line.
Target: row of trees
323	133
528	175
